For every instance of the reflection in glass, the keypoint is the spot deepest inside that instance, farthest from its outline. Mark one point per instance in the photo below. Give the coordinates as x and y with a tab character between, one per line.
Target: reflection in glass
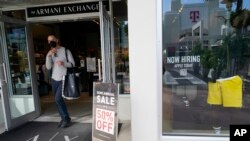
18	60
122	56
206	65
21	98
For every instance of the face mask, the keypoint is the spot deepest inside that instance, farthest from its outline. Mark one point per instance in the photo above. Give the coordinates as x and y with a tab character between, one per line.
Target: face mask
52	44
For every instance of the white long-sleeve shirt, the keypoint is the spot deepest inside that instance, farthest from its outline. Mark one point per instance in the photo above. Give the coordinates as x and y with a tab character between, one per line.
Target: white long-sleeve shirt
59	71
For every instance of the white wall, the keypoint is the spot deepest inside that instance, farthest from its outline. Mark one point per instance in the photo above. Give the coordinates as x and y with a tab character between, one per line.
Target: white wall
124	108
144	71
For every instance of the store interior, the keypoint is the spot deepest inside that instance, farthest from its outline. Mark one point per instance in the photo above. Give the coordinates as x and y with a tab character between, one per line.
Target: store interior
80	37
83	39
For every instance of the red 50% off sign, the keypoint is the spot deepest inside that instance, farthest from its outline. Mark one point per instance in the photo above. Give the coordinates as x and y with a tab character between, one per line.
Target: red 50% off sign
105	120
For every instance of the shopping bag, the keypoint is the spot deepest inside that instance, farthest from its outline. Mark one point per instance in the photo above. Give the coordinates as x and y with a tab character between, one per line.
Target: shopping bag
70	85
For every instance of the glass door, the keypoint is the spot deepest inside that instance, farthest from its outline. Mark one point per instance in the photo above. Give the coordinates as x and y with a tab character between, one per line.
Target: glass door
19	91
2	114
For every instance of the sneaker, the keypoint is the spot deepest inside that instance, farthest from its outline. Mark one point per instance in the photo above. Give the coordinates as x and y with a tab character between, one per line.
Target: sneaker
69	119
65	124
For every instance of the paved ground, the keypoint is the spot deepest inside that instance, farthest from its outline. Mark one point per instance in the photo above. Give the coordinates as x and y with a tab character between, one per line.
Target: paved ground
48	131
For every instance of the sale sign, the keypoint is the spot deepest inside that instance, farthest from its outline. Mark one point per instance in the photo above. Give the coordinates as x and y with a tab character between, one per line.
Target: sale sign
105	120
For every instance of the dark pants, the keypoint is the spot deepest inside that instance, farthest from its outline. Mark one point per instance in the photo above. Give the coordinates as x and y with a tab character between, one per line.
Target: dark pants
83	80
60	104
91	80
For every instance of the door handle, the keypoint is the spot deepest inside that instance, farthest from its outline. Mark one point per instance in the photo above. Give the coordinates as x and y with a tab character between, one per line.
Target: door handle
0	90
99	69
4	72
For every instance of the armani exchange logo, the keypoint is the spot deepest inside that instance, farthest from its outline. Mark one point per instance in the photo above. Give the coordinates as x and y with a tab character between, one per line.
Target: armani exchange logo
63	9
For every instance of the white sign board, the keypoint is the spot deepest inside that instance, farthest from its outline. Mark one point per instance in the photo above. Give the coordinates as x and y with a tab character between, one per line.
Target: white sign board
91	64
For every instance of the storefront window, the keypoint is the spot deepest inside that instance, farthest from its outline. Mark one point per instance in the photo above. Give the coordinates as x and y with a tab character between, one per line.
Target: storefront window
121	46
122	59
206	66
18	58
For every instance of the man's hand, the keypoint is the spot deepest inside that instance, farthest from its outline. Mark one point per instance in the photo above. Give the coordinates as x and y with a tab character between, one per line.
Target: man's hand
60	63
52	52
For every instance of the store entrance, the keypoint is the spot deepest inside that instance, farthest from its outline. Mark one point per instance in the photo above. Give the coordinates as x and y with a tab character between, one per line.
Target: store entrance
82	38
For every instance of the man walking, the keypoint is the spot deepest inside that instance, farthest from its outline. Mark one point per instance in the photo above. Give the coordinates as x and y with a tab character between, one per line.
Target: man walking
56	60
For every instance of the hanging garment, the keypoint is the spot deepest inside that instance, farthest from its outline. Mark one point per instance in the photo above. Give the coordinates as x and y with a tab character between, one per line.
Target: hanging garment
226	92
214	94
231	90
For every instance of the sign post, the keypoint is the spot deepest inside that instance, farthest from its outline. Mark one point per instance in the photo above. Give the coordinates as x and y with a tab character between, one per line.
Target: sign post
105	113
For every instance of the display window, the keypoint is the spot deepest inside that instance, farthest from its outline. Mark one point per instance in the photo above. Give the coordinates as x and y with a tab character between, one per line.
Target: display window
206	66
122	56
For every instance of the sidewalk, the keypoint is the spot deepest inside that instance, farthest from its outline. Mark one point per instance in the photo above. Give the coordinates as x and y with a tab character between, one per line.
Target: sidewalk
81	112
125	133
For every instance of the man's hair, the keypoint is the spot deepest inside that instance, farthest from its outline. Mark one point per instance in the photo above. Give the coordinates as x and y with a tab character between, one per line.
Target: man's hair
54	36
